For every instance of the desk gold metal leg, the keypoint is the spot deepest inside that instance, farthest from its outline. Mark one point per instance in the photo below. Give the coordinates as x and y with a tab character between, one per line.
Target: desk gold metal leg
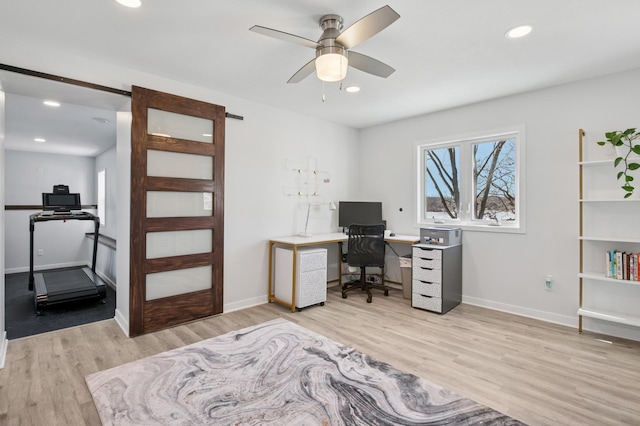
270	295
293	279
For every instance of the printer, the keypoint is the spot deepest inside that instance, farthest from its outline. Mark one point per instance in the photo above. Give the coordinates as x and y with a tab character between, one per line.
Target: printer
441	236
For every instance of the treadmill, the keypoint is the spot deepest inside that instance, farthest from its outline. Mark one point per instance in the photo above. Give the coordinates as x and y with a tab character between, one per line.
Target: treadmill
64	285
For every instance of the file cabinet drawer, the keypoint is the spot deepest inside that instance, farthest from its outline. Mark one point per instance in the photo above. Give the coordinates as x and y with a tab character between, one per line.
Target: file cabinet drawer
422	262
426	288
427	302
427	274
427	253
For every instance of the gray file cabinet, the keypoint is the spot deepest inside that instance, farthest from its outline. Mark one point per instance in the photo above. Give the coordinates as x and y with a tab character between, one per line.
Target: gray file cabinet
436	277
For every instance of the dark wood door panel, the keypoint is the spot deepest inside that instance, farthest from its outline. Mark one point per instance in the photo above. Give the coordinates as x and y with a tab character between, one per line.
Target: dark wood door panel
160	143
160	224
171	311
157	183
173	263
150	315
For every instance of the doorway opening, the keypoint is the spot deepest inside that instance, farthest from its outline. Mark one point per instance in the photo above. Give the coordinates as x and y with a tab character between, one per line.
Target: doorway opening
80	125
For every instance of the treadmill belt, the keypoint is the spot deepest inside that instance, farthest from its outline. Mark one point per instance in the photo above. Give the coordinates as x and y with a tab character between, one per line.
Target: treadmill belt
65	281
69	285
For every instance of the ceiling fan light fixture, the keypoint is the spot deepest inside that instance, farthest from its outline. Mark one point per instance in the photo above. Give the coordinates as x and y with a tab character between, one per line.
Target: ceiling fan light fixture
130	3
519	31
331	67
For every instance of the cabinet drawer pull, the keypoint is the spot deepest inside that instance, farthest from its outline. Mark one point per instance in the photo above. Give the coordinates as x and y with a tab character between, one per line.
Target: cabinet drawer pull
428	297
428	282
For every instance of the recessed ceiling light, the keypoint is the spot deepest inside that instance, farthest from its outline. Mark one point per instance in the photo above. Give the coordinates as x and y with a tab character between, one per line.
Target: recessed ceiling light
519	31
207	135
39	140
352	89
51	103
100	120
162	135
130	3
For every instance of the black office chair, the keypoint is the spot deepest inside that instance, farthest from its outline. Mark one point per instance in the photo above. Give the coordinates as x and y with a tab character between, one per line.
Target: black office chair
365	248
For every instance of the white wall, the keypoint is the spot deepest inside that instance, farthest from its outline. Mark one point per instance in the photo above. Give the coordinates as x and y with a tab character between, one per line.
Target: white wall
256	207
106	261
507	271
123	200
108	161
28	175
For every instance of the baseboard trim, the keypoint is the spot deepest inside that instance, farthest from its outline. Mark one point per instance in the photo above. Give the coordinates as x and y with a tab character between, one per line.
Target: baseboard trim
565	320
590	324
3	349
122	322
243	304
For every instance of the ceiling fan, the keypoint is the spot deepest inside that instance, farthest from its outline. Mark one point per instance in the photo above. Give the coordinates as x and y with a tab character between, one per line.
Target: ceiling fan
333	54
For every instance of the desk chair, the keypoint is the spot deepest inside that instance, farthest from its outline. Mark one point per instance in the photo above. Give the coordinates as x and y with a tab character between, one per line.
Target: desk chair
365	248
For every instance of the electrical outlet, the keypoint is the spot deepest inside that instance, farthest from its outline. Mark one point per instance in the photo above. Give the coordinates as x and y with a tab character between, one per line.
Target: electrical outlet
40	252
548	284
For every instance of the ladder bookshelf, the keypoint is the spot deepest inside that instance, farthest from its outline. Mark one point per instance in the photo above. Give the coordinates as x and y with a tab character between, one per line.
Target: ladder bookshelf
607	222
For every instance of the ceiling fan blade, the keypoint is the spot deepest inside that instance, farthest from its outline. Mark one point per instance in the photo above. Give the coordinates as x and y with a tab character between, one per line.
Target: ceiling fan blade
367	27
303	72
280	35
369	65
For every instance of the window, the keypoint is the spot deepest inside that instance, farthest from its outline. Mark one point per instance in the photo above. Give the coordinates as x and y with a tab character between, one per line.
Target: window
102	196
472	182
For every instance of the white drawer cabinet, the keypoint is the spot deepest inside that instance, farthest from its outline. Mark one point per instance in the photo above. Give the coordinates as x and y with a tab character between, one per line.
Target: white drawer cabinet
436	277
310	279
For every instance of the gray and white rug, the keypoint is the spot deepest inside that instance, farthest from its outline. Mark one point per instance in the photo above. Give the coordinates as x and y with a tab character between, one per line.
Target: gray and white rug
275	373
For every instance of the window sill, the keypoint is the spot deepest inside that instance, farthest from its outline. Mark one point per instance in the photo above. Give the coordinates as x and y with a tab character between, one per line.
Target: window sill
502	229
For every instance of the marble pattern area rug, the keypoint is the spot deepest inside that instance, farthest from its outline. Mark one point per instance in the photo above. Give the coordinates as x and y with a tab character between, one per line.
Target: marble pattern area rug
275	373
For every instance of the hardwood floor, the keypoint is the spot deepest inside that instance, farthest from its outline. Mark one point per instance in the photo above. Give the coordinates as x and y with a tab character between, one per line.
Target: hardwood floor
539	373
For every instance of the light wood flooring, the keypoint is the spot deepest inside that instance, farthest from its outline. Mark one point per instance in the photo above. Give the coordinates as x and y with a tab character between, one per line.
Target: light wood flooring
539	373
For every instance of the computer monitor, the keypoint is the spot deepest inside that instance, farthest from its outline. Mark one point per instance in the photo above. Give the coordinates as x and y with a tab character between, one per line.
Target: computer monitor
360	212
60	202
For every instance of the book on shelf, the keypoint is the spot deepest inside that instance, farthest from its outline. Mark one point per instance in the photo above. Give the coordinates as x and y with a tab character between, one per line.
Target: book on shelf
619	265
622	265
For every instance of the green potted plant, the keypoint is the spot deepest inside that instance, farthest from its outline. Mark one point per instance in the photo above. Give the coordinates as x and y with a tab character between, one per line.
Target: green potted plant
625	148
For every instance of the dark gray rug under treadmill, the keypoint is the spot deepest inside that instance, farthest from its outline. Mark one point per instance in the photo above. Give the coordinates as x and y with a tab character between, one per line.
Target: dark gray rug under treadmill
21	319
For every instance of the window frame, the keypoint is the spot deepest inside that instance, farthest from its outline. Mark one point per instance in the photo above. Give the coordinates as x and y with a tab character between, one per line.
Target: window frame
467	185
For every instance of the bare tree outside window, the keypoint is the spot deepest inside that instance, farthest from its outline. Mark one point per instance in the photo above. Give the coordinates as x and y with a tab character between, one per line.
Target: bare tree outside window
494	181
442	183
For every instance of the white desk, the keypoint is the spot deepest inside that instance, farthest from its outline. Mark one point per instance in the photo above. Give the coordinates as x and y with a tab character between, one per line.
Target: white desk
296	241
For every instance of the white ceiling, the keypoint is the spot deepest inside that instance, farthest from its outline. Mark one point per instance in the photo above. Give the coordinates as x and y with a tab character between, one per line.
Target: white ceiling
77	127
446	53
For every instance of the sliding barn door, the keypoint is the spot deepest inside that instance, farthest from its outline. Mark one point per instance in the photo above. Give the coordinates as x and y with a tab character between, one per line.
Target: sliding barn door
177	189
